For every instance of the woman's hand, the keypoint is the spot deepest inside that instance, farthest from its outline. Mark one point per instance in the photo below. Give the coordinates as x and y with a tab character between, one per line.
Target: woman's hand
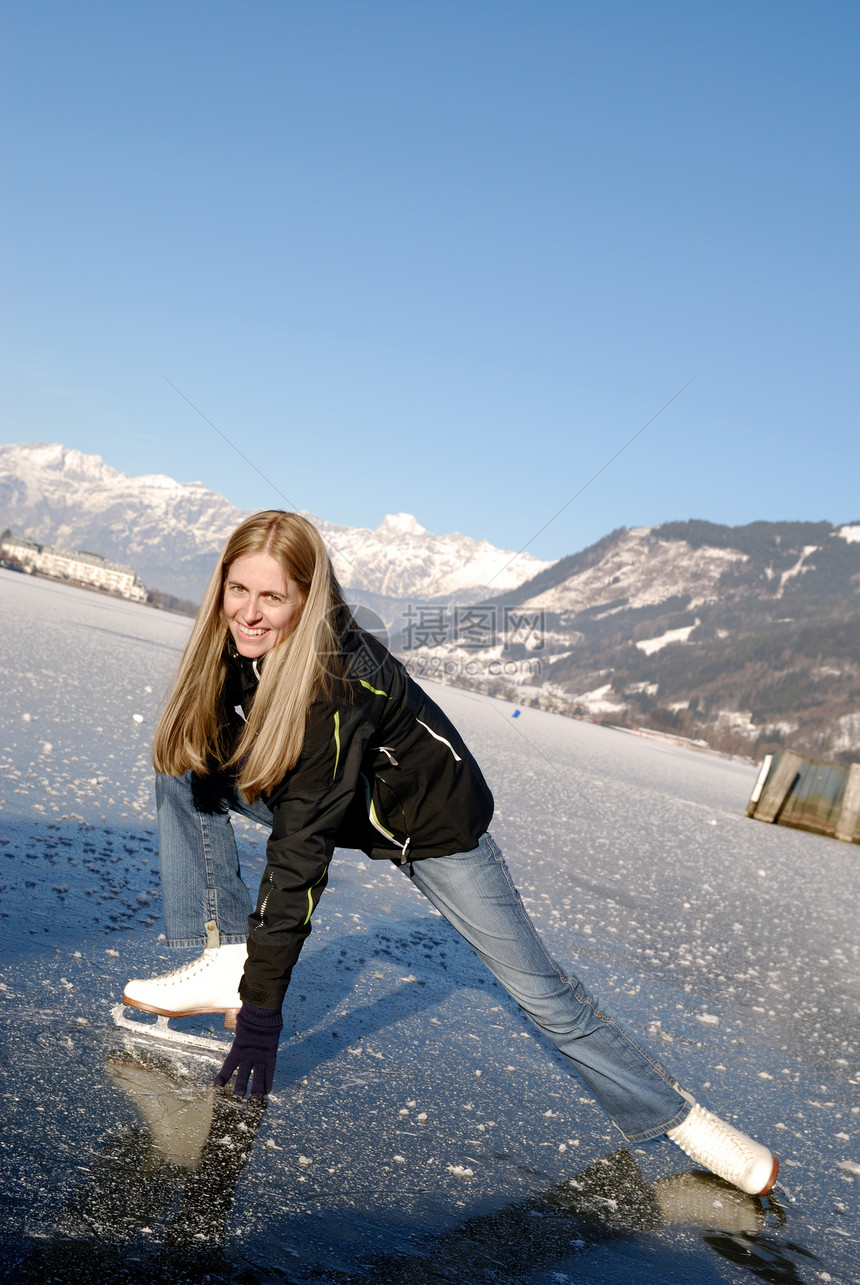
255	1049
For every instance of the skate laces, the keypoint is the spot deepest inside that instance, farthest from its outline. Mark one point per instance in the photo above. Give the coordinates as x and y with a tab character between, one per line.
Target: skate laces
186	970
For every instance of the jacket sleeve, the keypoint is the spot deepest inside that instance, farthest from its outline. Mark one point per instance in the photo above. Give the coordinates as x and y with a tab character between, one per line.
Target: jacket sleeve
308	808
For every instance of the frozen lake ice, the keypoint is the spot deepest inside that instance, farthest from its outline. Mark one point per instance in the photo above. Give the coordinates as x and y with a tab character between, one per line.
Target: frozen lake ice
419	1131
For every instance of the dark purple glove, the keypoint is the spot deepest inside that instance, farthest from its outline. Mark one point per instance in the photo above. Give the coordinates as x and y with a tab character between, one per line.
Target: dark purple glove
255	1048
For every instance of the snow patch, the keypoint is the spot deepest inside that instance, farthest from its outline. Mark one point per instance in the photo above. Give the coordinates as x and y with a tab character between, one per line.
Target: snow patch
642	571
739	720
650	645
847	736
797	569
598	702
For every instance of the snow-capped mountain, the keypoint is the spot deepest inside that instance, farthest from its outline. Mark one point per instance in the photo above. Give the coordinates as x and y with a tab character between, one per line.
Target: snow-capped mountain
744	636
171	532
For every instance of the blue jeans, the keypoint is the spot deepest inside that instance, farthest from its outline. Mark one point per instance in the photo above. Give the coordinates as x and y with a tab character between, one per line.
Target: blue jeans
473	890
201	882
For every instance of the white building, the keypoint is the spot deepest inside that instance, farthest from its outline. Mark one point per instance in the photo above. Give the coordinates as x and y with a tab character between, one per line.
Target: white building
88	569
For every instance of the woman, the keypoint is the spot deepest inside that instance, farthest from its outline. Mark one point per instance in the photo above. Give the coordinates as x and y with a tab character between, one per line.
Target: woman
283	710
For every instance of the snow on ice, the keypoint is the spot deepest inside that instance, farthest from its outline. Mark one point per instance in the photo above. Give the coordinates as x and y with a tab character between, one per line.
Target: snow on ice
415	1118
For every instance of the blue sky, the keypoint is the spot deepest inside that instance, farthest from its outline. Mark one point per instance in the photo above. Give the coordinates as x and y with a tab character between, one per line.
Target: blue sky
444	258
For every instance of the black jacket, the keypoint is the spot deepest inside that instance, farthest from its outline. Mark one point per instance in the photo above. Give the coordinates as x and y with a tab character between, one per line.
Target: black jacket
382	770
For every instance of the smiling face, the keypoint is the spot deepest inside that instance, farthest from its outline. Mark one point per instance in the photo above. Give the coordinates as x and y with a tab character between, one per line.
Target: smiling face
261	605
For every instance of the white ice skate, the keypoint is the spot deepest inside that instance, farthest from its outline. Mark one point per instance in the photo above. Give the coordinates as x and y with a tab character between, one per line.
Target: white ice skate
725	1151
209	984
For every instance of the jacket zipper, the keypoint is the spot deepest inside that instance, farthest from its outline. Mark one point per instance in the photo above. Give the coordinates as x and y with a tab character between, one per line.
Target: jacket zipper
377	824
265	901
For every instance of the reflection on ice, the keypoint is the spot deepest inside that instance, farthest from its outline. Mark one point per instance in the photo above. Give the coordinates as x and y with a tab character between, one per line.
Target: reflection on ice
178	1114
563	1228
160	1192
768	1260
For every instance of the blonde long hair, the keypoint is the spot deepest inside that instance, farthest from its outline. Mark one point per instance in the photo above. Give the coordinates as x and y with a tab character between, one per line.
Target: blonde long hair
188	735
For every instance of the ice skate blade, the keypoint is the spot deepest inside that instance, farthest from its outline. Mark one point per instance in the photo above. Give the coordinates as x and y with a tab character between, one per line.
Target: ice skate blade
201	1045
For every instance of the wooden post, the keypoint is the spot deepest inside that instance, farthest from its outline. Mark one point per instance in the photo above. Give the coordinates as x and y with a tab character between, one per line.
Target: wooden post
850	813
778	788
759	784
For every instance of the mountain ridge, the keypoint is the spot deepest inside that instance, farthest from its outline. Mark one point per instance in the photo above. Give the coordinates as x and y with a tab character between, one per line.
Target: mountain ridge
744	638
741	637
172	532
